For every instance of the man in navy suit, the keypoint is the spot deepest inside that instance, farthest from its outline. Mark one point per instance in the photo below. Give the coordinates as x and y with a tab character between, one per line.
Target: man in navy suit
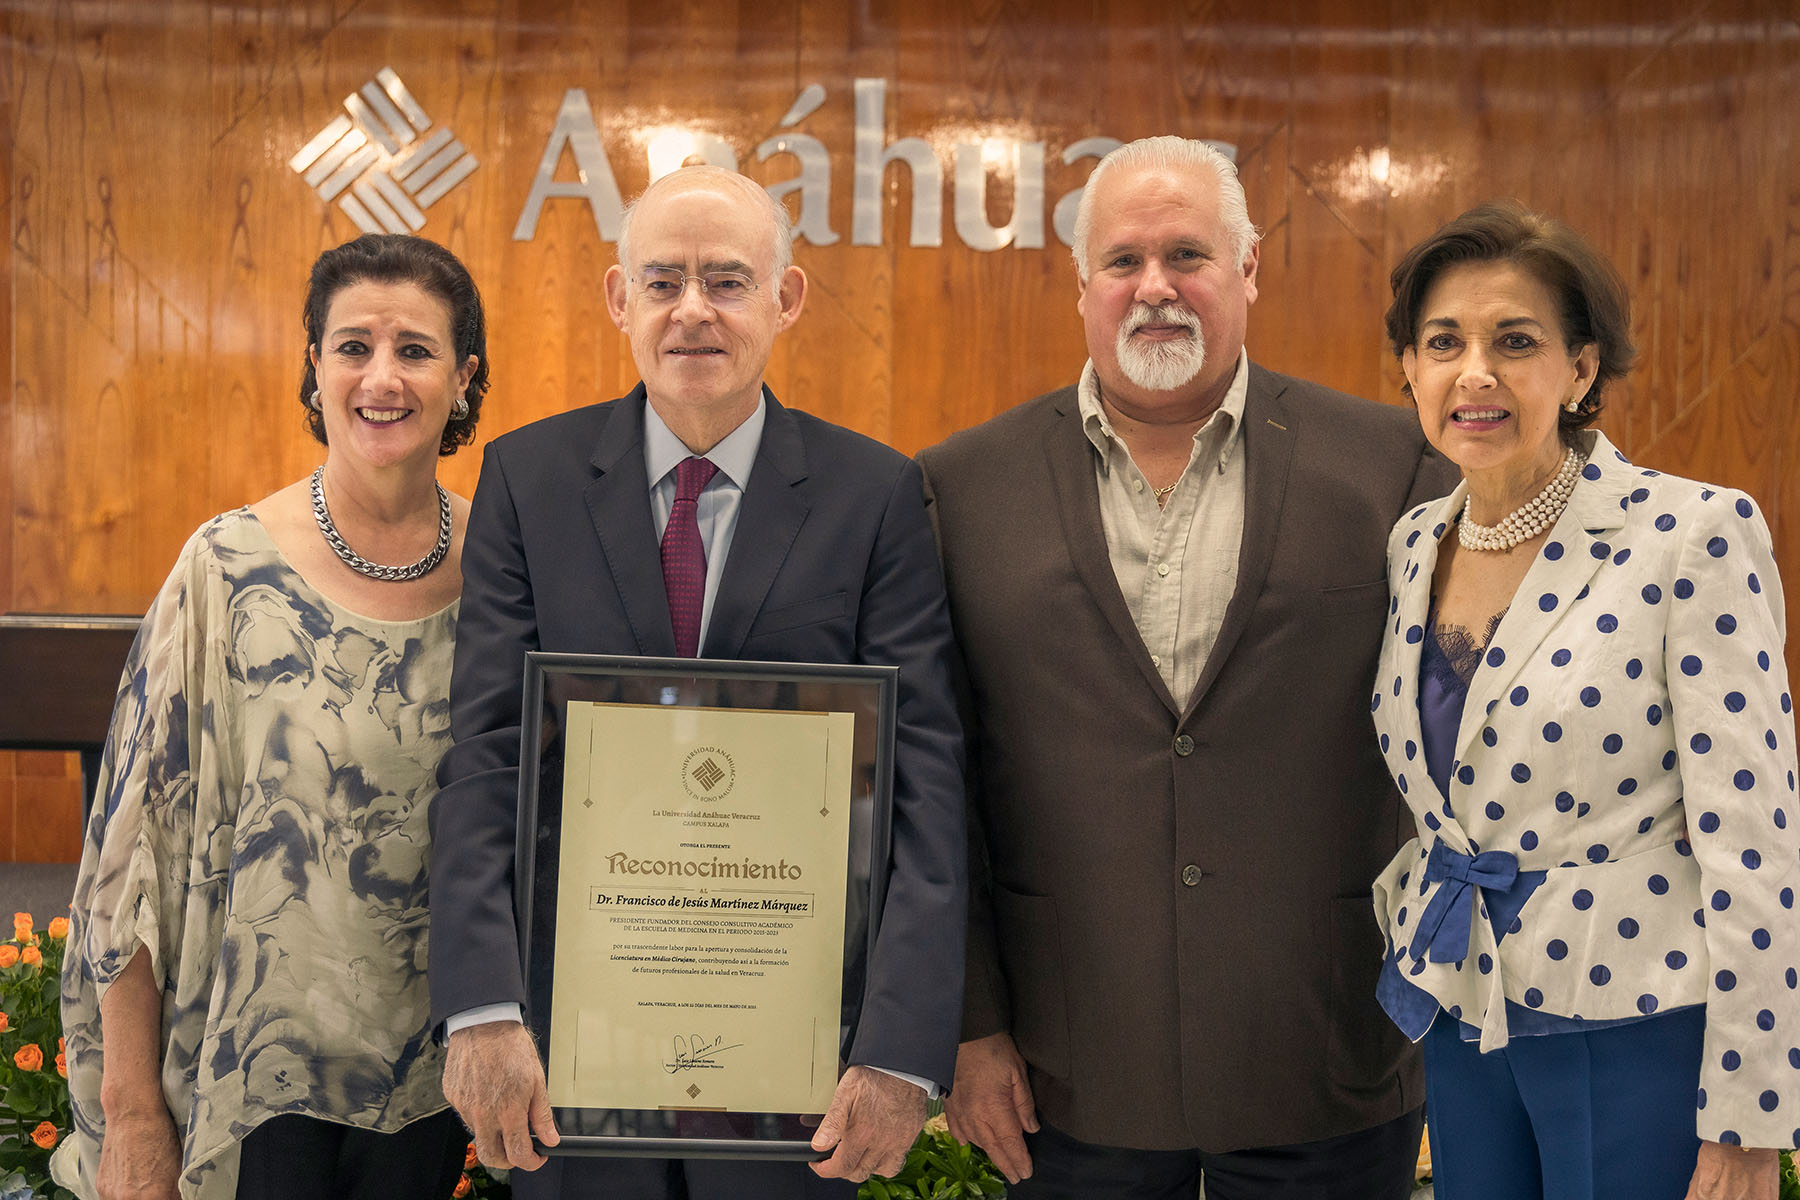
816	548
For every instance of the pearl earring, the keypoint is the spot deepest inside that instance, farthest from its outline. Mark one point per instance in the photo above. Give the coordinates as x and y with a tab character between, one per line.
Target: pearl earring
1574	404
313	400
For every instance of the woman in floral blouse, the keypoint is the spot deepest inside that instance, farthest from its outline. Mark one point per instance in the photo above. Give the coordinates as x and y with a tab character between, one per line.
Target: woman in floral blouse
244	994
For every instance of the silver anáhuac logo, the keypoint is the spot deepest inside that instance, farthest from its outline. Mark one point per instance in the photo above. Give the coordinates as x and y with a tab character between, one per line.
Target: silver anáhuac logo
378	161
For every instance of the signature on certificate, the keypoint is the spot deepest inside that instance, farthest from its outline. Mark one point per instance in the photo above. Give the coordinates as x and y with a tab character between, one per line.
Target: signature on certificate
697	1051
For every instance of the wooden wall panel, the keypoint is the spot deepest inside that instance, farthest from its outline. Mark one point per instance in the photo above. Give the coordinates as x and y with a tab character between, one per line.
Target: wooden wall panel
108	335
842	355
39	801
158	240
963	319
7	217
1333	268
9	843
557	343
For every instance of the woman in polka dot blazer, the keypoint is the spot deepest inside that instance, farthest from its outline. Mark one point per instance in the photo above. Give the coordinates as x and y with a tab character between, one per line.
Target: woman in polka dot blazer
1583	699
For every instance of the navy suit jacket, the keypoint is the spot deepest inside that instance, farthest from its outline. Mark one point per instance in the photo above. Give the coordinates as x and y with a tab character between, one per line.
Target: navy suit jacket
833	561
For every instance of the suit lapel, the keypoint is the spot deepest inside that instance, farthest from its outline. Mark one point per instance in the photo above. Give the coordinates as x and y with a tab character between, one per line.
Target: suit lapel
1071	462
769	519
1270	427
1550	586
618	503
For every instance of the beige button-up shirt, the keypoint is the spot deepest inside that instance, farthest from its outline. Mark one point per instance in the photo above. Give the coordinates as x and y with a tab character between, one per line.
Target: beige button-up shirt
1176	563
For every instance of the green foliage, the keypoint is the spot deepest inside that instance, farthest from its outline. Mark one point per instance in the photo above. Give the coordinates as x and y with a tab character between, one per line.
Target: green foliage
34	1100
938	1167
1790	1178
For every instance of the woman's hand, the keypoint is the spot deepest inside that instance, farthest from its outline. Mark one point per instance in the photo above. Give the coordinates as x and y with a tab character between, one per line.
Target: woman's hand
1734	1173
140	1157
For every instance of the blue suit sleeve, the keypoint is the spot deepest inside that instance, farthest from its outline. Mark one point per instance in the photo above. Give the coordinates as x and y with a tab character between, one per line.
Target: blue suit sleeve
912	1009
474	947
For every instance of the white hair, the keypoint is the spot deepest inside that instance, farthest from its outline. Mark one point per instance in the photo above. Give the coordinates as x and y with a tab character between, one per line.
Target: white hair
1169	153
781	225
1160	366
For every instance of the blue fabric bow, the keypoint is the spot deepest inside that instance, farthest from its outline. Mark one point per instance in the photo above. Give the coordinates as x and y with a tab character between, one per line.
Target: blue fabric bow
1443	930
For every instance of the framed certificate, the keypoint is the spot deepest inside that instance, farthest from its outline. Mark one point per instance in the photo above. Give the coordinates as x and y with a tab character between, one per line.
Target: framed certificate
702	858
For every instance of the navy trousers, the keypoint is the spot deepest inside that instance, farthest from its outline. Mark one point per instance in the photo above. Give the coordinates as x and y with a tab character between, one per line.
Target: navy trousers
1604	1114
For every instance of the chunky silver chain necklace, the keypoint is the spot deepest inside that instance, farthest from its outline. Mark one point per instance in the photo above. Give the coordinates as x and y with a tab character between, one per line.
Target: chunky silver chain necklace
1523	524
375	570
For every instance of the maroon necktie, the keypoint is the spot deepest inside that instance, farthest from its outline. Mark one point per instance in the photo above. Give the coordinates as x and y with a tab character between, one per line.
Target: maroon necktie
684	556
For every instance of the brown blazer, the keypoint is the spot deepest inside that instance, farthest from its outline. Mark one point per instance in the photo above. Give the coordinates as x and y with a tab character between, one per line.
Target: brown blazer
1169	906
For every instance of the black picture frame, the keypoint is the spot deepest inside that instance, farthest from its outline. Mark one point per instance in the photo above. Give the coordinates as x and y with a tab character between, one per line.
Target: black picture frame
551	682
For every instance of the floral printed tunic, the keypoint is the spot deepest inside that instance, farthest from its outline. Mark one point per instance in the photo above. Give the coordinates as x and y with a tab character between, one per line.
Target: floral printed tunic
259	825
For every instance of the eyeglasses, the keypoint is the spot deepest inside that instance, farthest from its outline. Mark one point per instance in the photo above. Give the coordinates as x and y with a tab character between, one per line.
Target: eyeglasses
722	289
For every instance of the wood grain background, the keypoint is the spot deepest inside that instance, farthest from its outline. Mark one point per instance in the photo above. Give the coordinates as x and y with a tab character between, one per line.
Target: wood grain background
159	241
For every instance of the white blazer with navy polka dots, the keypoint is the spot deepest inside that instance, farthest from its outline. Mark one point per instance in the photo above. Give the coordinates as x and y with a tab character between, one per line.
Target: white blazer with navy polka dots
1629	732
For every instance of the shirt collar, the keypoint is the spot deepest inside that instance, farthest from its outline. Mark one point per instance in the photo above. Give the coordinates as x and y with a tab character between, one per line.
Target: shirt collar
734	456
1230	412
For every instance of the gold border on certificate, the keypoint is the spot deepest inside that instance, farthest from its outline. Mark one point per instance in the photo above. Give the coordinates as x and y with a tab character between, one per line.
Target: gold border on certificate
700	900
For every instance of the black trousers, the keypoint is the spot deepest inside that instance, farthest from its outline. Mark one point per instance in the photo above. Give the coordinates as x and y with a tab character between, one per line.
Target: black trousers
1371	1164
304	1158
582	1177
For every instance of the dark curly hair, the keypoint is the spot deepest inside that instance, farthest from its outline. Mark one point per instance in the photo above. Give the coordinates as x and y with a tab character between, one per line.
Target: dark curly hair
1589	292
400	258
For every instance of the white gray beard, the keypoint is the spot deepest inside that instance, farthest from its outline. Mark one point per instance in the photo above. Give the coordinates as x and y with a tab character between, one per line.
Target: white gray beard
1160	366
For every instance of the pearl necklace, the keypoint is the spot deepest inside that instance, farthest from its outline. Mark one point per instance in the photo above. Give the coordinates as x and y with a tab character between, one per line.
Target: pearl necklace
375	570
1525	523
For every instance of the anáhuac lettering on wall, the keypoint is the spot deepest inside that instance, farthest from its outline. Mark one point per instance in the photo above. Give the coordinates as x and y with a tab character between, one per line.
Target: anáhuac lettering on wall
577	134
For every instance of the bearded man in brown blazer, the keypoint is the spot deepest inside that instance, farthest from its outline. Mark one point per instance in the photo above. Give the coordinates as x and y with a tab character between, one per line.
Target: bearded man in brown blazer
1168	586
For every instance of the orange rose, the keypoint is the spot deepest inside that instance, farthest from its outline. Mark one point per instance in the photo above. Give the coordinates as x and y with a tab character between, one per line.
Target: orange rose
22	920
62	1064
463	1187
9	955
5	1022
31	956
59	928
59	1045
469	1159
45	1135
29	1057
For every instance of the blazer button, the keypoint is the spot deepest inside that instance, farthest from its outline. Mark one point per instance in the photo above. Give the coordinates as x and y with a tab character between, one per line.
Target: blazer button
1191	874
1184	745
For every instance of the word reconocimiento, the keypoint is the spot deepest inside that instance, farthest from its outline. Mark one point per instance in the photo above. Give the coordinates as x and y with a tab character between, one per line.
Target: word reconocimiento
619	863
